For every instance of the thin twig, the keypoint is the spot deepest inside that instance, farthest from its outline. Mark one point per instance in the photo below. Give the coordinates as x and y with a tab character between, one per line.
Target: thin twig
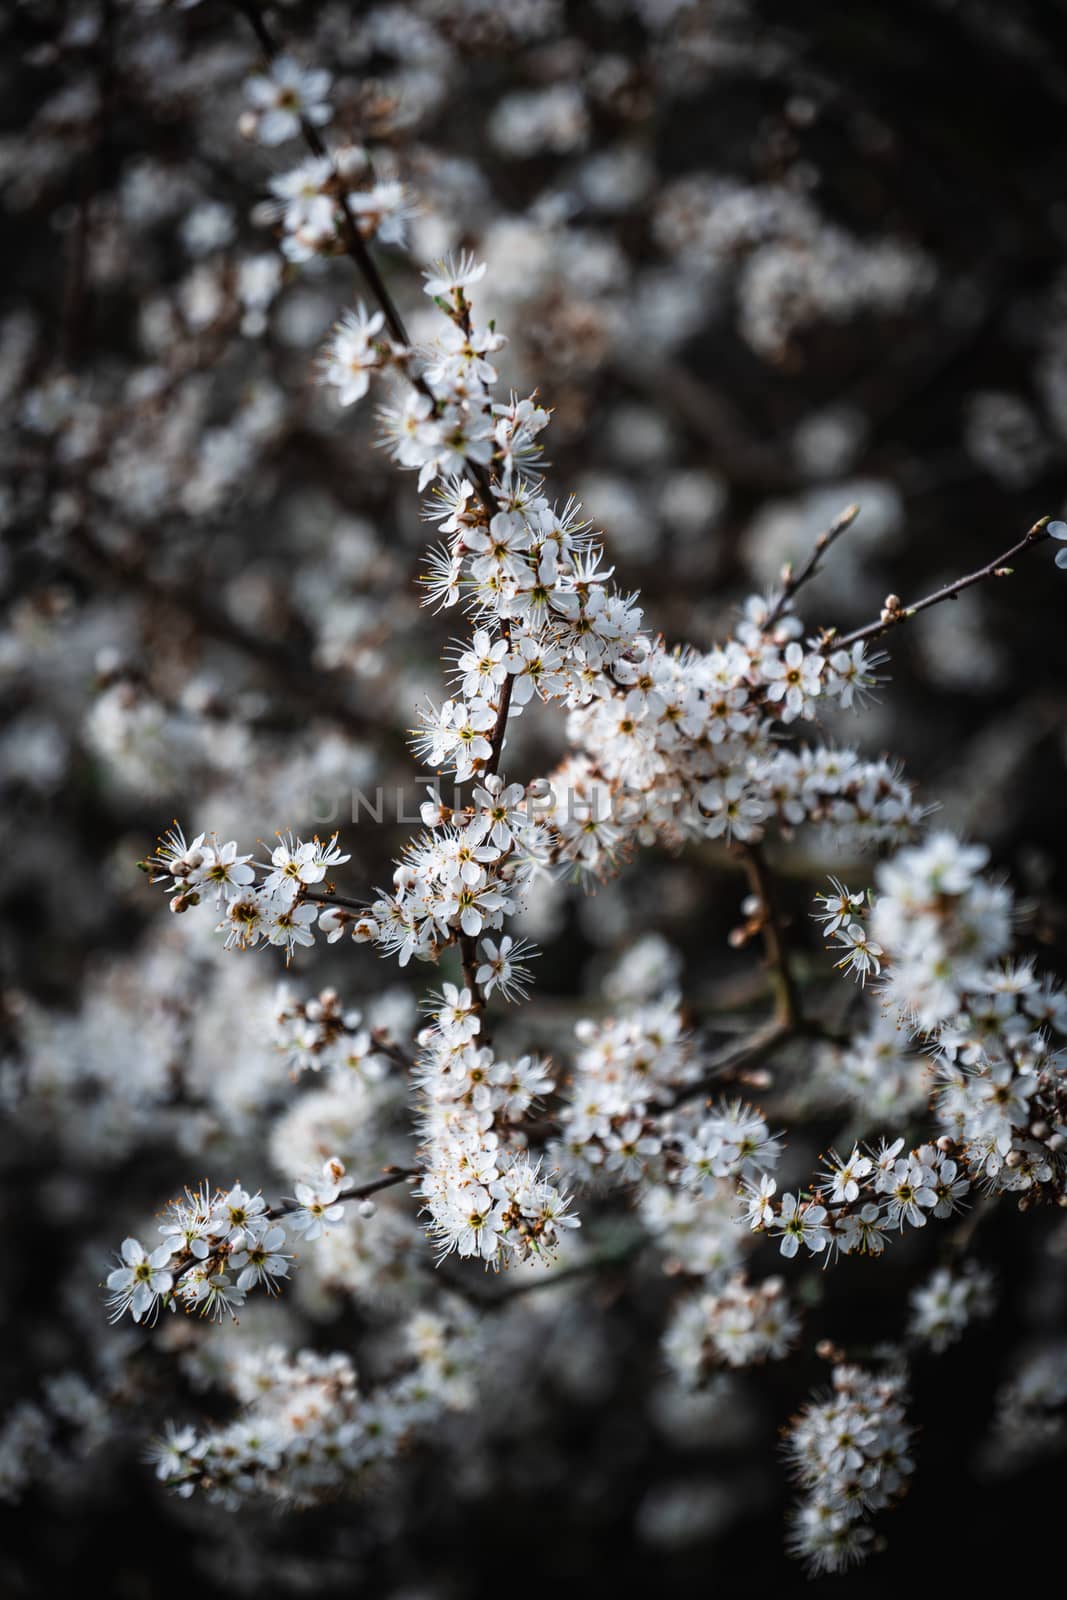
736	1059
391	1176
323	897
891	617
468	953
791	584
388	1047
788	1010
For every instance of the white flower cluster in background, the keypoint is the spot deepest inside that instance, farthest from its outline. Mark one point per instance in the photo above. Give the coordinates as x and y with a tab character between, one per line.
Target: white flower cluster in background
1028	1421
795	267
851	1454
626	1068
306	1431
740	1325
941	932
948	1302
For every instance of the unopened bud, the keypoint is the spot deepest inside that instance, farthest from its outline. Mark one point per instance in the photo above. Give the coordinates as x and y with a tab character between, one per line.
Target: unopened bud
367	1208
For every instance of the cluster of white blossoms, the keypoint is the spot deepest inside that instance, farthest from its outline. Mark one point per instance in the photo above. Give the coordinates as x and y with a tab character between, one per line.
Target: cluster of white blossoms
486	1196
316	201
738	1325
1030	1417
936	938
666	743
941	934
218	1246
945	1305
689	1203
851	1456
458	880
794	267
55	1436
880	1070
307	1432
861	1200
625	1070
322	1035
269	910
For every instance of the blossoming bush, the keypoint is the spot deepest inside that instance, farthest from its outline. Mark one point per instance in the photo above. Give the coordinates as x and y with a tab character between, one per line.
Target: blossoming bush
468	1179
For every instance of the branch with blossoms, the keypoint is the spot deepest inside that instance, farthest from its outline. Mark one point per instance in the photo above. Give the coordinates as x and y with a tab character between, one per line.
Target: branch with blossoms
666	746
219	1245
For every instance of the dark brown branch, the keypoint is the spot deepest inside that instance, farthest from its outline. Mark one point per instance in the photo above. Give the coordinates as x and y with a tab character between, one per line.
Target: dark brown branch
787	1008
792	583
389	1180
328	898
390	1177
389	1047
468	952
895	614
496	738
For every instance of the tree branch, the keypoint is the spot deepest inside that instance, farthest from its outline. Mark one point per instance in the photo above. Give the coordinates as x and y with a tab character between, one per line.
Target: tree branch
791	584
787	1008
322	897
892	615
